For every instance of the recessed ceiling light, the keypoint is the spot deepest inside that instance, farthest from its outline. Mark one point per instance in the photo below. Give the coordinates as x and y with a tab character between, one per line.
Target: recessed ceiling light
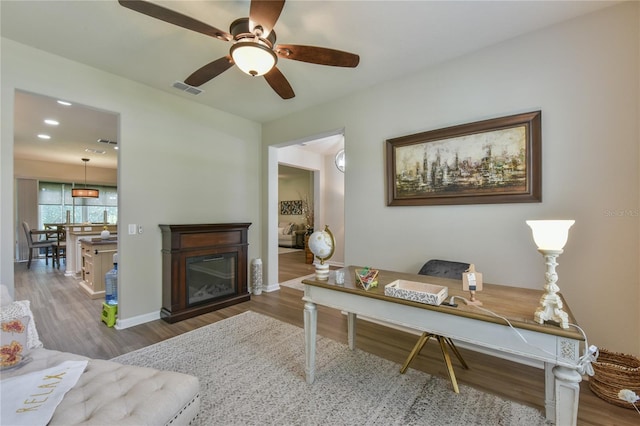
43	136
65	103
51	122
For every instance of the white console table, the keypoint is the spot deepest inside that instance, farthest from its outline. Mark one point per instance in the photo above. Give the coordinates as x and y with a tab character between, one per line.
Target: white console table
558	348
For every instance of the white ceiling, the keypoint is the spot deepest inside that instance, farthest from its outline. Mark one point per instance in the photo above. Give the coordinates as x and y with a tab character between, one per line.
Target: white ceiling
73	139
393	39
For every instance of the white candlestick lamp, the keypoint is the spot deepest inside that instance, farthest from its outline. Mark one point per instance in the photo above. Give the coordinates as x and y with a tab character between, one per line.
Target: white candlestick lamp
550	236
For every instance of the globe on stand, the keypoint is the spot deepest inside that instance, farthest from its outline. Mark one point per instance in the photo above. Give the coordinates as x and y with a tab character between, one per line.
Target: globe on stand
322	245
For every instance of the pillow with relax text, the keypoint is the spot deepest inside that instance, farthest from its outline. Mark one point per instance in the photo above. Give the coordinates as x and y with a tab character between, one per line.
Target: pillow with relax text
13	342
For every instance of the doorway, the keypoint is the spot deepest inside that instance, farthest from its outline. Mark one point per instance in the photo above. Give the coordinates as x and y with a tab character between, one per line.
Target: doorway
51	137
315	155
296	201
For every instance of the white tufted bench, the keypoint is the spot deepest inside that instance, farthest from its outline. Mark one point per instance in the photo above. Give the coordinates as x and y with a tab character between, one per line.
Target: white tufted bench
112	393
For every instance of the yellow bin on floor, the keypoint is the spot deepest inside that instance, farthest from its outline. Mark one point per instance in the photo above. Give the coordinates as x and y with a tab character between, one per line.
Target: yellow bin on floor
109	313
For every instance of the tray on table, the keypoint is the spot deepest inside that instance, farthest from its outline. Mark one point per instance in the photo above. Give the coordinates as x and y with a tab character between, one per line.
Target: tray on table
416	291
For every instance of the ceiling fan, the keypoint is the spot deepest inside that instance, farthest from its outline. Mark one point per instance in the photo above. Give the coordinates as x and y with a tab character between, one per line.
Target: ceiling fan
254	48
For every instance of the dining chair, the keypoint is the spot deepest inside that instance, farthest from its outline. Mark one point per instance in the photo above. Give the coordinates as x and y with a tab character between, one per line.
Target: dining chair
444	269
60	247
37	244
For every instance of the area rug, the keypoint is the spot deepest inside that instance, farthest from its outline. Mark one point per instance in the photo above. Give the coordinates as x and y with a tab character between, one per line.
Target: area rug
296	282
251	371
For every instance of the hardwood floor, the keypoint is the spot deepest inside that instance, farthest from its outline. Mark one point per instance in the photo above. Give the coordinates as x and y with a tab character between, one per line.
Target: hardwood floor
291	265
68	320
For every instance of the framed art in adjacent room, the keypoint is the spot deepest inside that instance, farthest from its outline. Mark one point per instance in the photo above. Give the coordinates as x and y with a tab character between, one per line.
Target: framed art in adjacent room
293	207
491	161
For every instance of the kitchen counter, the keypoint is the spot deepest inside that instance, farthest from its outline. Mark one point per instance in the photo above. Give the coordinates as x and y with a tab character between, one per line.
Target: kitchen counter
97	260
76	232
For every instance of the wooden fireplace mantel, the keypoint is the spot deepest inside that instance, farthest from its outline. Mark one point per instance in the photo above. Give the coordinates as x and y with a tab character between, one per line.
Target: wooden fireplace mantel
183	243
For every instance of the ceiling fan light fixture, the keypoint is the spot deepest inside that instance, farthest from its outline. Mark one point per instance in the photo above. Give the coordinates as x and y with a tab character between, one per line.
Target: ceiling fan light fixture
253	57
254	50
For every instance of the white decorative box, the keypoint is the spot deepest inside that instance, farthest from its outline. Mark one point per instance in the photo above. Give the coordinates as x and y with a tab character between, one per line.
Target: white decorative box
417	292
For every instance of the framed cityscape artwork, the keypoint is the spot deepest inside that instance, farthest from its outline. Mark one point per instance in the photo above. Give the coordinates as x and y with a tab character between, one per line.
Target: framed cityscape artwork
491	161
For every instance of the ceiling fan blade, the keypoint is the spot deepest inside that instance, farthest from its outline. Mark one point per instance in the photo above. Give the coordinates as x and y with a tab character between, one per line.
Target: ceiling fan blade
317	55
167	15
209	71
279	83
265	13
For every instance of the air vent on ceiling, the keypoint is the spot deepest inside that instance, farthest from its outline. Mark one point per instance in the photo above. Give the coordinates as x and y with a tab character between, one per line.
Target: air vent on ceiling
107	141
187	88
94	151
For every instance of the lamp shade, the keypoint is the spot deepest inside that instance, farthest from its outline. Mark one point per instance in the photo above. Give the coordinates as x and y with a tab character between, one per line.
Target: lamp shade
550	234
253	58
85	193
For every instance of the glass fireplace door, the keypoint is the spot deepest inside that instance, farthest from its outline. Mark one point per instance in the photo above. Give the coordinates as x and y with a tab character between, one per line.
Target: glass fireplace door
211	277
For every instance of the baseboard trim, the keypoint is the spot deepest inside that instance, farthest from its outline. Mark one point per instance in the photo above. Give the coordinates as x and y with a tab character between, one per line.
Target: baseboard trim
121	324
271	287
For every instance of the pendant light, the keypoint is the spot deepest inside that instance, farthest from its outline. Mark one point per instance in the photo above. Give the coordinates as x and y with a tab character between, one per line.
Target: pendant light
85	192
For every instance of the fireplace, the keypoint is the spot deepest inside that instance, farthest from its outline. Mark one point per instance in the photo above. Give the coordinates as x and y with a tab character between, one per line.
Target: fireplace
204	268
210	277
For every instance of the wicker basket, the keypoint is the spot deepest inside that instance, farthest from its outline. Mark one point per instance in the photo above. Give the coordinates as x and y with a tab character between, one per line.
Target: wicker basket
614	372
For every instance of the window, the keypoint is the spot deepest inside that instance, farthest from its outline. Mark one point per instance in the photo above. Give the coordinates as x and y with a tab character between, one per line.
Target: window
54	201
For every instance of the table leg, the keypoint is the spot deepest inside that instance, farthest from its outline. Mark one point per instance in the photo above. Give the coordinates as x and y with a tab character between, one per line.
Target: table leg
351	330
567	392
549	392
310	330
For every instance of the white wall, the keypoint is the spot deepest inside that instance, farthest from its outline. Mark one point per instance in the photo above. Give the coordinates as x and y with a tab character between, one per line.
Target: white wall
60	172
333	207
170	167
584	76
